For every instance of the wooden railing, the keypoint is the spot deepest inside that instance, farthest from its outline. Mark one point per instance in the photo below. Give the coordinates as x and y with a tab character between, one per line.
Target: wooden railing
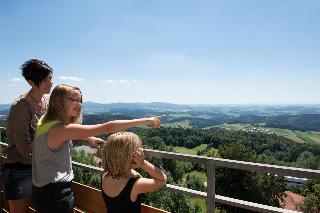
211	164
87	199
210	196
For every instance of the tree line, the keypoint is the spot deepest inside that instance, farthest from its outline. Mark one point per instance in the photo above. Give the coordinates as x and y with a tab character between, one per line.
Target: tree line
237	145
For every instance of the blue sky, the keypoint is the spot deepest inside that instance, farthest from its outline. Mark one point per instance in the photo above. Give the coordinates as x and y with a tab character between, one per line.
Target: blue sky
190	52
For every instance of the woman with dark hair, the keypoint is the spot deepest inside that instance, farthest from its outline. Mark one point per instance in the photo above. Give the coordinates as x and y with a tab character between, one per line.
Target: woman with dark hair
22	120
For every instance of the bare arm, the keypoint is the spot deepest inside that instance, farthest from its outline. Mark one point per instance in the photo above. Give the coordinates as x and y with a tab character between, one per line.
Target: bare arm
158	178
62	133
154	172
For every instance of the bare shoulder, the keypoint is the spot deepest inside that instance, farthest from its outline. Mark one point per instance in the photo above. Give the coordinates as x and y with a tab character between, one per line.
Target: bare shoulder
57	129
57	135
66	130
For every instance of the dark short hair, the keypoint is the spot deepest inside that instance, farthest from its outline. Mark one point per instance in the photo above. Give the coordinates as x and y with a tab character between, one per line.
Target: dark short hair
35	70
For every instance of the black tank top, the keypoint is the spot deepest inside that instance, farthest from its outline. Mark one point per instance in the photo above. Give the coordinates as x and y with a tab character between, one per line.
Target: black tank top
122	203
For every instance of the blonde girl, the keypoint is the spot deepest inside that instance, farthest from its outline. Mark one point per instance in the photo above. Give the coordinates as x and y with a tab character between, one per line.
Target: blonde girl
52	170
121	184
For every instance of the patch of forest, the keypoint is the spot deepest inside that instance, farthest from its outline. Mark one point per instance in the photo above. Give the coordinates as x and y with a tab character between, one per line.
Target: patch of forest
237	145
305	122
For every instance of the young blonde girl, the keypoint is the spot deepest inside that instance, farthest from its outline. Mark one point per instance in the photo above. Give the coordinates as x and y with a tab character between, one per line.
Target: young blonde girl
121	184
51	159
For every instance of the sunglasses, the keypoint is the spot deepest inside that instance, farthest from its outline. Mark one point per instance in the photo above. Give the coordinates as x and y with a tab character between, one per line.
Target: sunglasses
74	100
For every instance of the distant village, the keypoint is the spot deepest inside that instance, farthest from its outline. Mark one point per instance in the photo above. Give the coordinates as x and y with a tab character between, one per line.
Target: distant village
256	129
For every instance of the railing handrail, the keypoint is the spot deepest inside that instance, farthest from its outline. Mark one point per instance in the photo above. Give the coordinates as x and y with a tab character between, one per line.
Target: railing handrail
203	195
235	164
219	162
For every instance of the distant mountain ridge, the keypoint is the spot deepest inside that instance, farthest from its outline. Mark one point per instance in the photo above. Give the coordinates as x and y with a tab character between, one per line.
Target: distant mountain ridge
303	118
135	105
237	110
91	107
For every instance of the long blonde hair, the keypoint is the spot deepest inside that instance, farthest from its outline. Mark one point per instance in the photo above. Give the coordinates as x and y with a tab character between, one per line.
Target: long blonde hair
118	152
58	106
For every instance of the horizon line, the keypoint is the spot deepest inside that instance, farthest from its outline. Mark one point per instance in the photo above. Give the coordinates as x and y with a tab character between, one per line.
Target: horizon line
204	104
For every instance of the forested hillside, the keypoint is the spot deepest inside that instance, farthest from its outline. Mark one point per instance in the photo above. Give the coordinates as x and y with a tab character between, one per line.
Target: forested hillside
200	135
239	145
305	122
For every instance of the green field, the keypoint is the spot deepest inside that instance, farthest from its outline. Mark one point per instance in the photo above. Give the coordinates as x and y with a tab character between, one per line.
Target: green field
292	135
306	138
233	126
186	115
192	151
297	136
201	203
310	137
185	124
202	175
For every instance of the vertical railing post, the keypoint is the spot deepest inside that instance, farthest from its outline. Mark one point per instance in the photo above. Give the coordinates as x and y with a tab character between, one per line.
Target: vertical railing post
211	189
1	182
1	175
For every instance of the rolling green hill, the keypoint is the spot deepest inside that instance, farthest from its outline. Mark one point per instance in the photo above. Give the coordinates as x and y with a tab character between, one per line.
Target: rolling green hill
297	136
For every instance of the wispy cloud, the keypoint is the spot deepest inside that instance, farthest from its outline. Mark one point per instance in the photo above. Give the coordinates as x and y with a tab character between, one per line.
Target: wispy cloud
132	81
16	80
72	78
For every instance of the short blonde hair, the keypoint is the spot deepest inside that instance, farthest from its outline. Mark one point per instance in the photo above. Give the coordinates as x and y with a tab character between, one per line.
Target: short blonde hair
58	106
118	153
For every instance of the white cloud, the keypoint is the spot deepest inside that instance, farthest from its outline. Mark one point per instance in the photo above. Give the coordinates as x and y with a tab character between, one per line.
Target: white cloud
72	78
122	81
16	80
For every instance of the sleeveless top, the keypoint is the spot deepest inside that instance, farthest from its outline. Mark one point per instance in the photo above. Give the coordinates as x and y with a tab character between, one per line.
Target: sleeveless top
50	165
122	203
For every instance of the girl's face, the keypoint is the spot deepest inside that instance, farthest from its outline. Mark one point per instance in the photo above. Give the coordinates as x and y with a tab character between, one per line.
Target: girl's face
74	101
46	84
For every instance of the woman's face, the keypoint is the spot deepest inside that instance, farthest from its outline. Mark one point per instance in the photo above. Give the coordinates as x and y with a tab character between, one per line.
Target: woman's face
74	101
46	84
